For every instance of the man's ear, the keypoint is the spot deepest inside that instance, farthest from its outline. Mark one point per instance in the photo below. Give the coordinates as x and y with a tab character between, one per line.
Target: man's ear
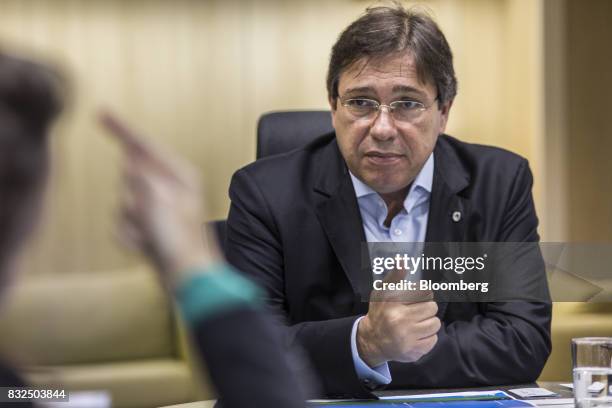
444	112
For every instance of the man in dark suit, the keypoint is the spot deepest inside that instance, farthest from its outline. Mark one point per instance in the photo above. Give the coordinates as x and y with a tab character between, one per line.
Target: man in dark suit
298	220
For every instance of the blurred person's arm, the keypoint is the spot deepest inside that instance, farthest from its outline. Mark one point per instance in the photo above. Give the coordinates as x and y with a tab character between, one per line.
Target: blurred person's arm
238	344
162	216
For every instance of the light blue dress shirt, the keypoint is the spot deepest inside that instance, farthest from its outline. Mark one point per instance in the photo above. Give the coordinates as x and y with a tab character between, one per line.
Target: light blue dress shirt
409	225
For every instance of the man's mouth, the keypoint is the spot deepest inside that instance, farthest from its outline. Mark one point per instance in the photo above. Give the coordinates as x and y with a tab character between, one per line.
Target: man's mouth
383	158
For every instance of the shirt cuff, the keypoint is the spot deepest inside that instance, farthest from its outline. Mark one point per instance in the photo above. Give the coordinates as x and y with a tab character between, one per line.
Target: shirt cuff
379	375
214	289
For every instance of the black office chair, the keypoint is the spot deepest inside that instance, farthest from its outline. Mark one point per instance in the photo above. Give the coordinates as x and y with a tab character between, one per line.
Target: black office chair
280	132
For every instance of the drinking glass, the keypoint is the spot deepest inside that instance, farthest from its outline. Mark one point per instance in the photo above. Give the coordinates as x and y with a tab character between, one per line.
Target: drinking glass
592	370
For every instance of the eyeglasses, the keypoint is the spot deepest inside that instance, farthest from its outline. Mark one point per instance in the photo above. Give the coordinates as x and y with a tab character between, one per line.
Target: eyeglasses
403	111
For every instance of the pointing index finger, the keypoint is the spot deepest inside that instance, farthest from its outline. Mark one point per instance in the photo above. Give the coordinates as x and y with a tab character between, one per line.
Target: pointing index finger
122	133
140	148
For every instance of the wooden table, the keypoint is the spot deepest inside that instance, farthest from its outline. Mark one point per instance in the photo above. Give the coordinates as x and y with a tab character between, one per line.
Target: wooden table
552	386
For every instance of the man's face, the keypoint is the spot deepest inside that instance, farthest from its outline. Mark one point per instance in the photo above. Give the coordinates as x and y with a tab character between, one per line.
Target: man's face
383	152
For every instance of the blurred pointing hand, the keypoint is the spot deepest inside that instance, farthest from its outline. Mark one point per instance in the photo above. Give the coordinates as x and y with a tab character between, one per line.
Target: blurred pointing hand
162	206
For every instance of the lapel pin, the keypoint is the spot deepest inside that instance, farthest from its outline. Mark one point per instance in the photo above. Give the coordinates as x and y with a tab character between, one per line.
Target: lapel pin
456	216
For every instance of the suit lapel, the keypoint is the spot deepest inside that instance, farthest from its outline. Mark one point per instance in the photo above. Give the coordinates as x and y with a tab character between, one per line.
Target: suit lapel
338	213
450	178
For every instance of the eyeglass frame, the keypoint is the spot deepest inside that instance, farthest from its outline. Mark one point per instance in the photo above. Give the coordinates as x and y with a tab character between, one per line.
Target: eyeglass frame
389	107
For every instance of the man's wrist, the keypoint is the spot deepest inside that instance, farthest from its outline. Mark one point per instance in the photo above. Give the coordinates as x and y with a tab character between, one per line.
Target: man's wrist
211	290
366	345
183	268
194	252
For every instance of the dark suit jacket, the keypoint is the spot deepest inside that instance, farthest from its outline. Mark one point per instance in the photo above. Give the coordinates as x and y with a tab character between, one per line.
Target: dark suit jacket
10	379
241	350
295	227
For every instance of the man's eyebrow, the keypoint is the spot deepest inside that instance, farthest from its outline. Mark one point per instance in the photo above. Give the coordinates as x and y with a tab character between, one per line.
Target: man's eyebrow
396	89
359	89
406	88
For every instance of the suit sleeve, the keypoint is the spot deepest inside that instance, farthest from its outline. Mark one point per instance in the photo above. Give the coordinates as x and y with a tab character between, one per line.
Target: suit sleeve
254	247
507	342
240	349
238	343
10	379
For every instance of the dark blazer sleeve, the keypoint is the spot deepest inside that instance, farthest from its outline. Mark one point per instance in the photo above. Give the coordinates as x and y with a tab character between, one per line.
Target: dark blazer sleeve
10	379
241	350
254	246
505	342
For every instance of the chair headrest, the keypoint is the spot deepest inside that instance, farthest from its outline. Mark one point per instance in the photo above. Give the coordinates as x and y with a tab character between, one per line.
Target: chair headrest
280	132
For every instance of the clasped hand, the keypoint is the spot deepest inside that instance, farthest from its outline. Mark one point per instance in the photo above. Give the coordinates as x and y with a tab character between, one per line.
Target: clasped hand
401	325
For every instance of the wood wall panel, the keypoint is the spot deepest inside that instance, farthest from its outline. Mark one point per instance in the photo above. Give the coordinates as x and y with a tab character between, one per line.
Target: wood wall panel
196	75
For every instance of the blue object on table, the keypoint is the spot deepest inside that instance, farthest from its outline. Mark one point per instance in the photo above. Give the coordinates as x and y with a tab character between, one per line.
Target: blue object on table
493	401
510	403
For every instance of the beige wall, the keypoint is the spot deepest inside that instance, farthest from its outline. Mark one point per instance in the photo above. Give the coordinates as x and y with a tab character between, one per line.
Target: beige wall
196	75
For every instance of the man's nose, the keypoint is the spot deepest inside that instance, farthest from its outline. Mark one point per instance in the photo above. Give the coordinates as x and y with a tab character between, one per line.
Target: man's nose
383	127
